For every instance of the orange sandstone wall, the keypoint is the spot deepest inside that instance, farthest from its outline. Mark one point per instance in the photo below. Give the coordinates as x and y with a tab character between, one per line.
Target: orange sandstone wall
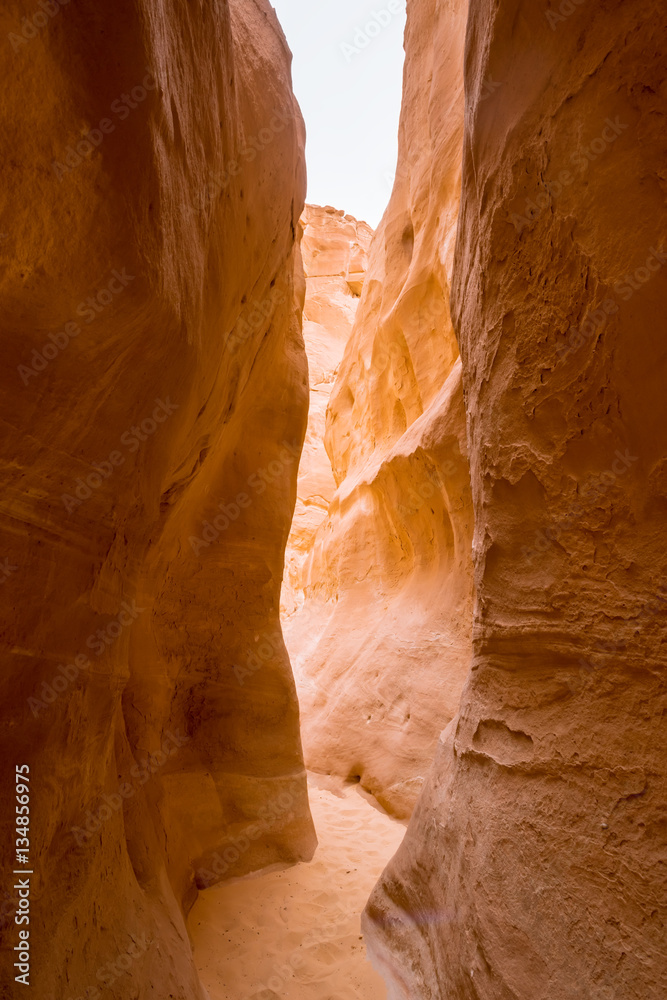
153	367
381	645
334	249
533	866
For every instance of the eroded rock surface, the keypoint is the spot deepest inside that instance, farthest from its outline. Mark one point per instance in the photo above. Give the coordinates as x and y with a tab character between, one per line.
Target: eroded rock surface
153	369
381	645
334	249
533	866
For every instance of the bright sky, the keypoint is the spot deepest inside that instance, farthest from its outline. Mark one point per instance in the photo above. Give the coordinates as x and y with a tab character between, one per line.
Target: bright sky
348	74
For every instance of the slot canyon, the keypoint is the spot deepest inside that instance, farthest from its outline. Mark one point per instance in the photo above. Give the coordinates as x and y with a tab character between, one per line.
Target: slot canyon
334	554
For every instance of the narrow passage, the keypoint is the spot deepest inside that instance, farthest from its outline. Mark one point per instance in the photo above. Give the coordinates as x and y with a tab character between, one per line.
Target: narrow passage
296	933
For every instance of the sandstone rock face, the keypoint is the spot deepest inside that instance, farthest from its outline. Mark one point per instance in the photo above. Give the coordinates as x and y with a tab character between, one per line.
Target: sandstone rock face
152	347
335	256
381	645
533	867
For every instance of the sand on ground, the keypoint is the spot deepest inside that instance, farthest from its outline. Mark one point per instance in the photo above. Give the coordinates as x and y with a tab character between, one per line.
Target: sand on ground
296	933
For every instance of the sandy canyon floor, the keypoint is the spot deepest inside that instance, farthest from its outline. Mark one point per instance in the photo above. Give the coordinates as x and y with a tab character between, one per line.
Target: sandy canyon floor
296	933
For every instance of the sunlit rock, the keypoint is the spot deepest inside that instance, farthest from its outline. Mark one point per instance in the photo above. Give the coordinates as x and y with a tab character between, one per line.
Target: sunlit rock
335	256
381	645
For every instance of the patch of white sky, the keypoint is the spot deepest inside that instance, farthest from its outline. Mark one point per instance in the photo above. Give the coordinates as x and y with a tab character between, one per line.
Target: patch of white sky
348	73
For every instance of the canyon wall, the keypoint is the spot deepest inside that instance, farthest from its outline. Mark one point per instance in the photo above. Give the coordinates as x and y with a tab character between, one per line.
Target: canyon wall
381	646
533	866
154	377
334	249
